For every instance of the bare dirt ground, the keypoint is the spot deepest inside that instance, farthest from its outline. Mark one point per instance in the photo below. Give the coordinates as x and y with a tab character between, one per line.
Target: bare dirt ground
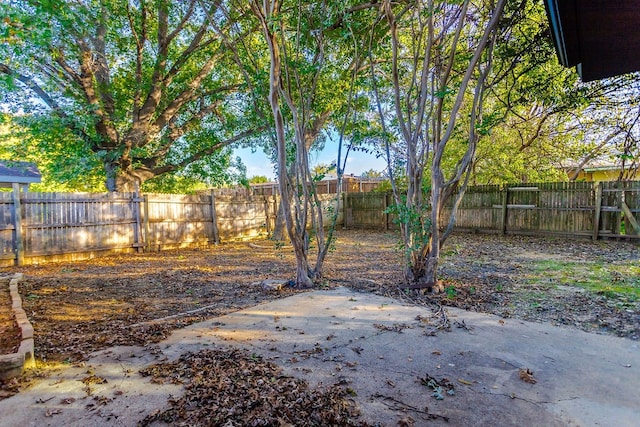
525	278
137	299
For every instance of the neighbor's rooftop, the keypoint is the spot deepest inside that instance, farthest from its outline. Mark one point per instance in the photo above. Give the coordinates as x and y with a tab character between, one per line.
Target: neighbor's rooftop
12	171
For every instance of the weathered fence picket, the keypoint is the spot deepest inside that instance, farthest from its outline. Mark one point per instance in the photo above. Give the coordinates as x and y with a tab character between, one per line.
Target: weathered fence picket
580	209
35	227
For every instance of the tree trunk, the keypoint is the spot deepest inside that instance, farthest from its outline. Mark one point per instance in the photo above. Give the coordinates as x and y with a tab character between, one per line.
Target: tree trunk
423	273
124	180
278	231
127	183
111	170
265	13
303	279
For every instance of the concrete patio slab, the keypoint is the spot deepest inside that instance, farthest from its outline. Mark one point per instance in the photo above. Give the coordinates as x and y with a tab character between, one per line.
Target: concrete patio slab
381	348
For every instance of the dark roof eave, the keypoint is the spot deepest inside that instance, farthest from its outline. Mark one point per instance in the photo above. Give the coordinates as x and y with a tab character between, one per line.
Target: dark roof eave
599	38
556	30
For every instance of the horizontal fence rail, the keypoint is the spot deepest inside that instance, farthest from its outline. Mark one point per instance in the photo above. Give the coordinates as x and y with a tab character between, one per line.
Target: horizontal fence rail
37	227
579	209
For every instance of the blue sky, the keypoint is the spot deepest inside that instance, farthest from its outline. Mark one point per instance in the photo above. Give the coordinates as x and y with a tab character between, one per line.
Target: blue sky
259	164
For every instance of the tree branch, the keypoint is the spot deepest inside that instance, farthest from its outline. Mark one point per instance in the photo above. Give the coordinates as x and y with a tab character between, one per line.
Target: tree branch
203	153
30	84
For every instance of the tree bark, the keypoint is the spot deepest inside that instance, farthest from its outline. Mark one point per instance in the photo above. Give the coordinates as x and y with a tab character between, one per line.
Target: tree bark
420	84
278	230
265	14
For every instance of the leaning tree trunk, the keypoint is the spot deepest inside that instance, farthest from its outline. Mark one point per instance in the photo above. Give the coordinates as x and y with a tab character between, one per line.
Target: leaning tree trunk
433	254
278	234
265	13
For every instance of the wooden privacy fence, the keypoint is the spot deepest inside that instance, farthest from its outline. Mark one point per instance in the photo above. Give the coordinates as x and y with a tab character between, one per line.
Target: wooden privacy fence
350	184
35	227
585	209
367	210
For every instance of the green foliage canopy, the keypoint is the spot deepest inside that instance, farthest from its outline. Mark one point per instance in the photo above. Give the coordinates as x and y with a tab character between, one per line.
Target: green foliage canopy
146	88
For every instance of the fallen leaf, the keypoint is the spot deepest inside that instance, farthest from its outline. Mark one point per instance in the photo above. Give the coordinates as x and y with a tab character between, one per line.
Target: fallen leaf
94	379
6	393
527	376
464	381
406	422
238	388
51	412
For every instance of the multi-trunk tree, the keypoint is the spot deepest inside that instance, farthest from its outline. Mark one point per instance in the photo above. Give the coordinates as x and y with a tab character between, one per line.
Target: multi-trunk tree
145	86
150	88
312	75
436	72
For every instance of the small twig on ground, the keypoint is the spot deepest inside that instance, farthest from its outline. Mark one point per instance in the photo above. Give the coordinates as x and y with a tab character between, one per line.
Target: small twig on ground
462	325
398	405
441	313
417	298
174	316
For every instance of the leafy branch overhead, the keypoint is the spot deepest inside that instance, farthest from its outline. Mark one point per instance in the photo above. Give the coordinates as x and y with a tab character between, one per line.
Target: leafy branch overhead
146	86
127	92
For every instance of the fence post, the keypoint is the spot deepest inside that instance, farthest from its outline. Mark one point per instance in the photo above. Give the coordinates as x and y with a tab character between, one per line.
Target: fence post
596	213
147	240
267	215
503	219
214	218
276	210
386	213
137	232
345	221
17	225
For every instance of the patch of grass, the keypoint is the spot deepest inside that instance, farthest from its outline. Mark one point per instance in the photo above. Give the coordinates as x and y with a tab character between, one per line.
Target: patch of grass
451	292
451	251
613	280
